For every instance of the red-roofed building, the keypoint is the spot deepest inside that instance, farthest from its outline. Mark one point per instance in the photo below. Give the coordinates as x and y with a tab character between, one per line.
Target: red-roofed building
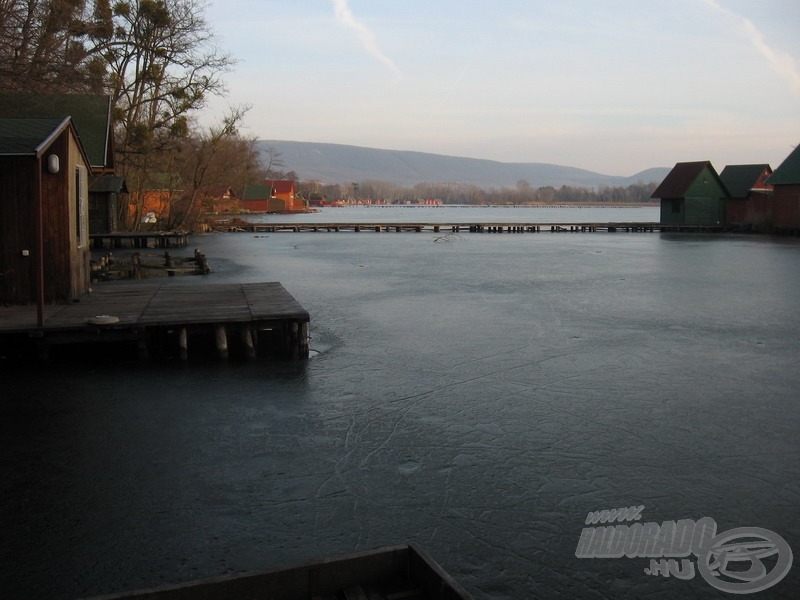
273	195
750	205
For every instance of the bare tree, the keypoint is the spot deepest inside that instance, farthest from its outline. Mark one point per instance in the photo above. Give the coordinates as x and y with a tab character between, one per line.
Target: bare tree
162	65
274	163
209	161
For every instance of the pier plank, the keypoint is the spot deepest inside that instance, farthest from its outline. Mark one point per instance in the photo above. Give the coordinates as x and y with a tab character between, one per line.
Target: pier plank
145	306
431	227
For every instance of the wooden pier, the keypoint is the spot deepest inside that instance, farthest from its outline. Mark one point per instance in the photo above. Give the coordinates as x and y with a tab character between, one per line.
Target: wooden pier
139	239
463	227
160	319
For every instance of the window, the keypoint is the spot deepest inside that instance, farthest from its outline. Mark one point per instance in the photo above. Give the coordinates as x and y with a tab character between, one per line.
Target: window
81	201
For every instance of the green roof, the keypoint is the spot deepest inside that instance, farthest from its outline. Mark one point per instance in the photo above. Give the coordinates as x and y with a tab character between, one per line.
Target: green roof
91	115
789	171
682	177
254	191
25	136
740	179
108	184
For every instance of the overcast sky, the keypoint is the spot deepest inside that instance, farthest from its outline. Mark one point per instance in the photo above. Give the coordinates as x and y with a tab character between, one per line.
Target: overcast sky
614	86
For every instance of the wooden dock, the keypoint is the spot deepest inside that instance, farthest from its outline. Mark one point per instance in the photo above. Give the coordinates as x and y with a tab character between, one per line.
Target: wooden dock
464	227
139	239
160	319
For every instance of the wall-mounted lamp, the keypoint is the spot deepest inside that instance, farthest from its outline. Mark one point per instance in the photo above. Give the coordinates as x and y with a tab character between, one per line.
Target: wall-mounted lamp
53	163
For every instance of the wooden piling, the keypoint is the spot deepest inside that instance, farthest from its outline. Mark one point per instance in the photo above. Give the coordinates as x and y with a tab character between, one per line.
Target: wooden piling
303	340
247	342
183	344
221	340
292	341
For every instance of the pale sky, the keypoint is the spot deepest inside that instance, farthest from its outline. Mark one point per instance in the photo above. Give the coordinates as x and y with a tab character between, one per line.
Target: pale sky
614	86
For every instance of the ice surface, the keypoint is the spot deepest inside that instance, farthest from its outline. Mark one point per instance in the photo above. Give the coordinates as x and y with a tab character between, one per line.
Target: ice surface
478	398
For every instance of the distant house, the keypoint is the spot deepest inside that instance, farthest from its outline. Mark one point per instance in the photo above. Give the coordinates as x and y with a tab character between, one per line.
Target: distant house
274	195
692	193
44	217
786	196
220	200
750	203
317	199
91	116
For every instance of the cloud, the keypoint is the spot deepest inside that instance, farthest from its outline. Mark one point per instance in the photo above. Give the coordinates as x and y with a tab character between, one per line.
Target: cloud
781	63
346	17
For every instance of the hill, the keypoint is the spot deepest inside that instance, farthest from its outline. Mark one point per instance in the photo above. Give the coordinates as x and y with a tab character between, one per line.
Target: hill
337	163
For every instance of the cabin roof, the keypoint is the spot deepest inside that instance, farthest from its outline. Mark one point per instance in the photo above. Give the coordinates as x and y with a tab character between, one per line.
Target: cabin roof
281	186
91	115
21	137
109	184
788	173
740	179
268	189
681	177
255	191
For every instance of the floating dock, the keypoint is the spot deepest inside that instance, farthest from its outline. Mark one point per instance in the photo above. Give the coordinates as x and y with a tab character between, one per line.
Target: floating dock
464	227
160	319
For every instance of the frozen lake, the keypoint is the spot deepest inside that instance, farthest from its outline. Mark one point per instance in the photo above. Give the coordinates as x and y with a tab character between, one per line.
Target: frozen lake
467	214
478	397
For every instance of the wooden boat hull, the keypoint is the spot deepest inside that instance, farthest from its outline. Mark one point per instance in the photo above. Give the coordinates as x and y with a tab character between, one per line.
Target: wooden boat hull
399	572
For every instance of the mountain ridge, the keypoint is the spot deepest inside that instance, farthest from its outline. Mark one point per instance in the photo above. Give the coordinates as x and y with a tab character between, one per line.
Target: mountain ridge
341	163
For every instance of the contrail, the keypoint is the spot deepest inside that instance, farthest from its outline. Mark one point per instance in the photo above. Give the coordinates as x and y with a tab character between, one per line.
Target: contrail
781	63
479	48
346	17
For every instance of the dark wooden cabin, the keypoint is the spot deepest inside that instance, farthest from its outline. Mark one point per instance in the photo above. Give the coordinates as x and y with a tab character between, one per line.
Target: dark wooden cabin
91	116
105	194
786	196
750	205
44	225
692	194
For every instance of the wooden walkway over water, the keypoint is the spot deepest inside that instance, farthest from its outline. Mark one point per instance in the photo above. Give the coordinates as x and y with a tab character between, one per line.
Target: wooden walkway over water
139	239
167	319
462	227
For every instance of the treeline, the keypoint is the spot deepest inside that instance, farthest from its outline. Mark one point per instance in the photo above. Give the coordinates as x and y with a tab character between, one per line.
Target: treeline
159	63
457	193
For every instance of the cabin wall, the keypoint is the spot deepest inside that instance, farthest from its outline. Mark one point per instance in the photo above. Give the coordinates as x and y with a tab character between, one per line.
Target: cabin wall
705	201
761	182
78	213
65	228
103	208
256	205
17	219
279	205
787	207
56	220
754	213
672	211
